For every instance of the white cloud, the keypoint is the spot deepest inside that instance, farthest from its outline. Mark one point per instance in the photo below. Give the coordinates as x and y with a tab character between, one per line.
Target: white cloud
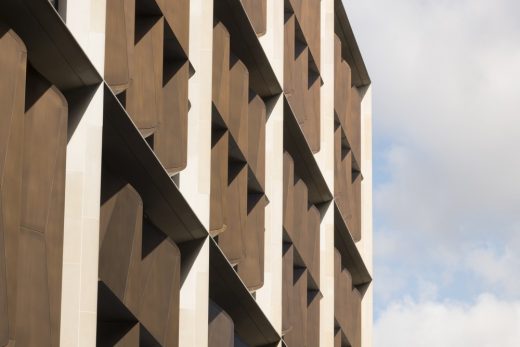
488	322
446	79
496	269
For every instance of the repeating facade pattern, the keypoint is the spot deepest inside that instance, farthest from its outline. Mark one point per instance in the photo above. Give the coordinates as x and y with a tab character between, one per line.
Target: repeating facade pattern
225	203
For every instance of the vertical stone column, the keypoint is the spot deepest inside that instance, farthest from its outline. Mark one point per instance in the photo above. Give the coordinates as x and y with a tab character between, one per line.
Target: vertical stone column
86	20
269	297
365	245
194	180
325	159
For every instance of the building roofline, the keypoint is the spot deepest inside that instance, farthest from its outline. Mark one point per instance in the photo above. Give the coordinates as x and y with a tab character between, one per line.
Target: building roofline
349	47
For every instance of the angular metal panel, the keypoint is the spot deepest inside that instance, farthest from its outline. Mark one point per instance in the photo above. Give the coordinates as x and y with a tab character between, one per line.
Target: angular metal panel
43	190
251	267
288	193
120	239
313	318
119	43
287	287
257	12
231	240
221	328
13	64
160	292
300	234
218	220
354	125
238	105
228	291
221	75
144	95
177	14
139	264
297	336
171	137
256	138
33	325
312	253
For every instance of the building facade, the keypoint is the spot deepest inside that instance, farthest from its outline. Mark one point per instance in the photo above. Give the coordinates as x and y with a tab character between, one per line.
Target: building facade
184	173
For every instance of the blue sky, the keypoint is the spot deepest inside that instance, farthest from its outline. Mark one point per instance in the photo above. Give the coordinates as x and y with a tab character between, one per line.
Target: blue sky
446	83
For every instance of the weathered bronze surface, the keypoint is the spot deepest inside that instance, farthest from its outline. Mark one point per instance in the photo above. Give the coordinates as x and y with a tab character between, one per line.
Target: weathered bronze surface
257	12
146	64
33	138
238	103
347	144
138	263
347	303
219	182
302	81
237	209
221	328
300	269
231	240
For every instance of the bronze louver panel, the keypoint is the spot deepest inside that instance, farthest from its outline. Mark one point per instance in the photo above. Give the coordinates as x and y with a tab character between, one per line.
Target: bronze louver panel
221	328
257	12
33	122
237	209
147	67
302	80
138	263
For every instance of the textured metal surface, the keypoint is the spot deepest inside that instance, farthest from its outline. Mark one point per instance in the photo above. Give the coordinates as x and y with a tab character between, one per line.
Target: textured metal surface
304	162
350	49
347	303
237	208
13	64
139	263
251	267
221	328
43	200
308	15
246	46
350	270
302	81
342	86
221	75
287	287
288	194
256	138
219	179
33	123
53	51
177	14
347	144
257	12
146	64
127	154
144	94
228	291
238	103
231	240
350	255
301	261
313	318
120	27
171	137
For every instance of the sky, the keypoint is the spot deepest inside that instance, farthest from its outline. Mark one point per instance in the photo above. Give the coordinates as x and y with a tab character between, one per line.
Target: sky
446	97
